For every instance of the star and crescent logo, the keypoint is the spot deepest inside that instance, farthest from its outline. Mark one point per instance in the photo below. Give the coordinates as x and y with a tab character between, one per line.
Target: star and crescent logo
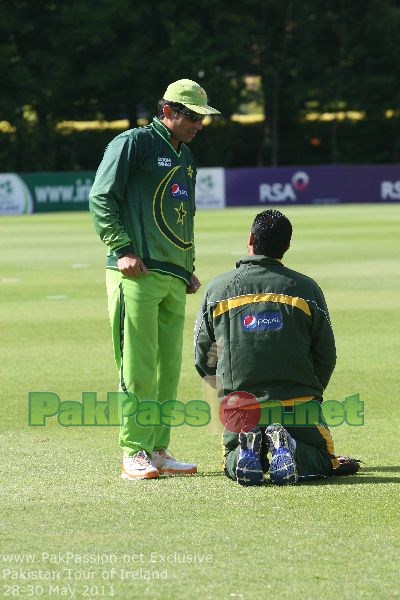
171	189
181	213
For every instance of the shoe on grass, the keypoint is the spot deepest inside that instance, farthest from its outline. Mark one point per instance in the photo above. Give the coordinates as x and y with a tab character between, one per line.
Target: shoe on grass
166	464
347	466
282	468
248	469
138	466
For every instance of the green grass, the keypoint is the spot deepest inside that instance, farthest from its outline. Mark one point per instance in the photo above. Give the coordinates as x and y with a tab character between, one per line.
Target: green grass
60	488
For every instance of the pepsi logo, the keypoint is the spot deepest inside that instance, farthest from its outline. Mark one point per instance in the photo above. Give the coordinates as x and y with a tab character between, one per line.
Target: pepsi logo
179	191
250	322
263	321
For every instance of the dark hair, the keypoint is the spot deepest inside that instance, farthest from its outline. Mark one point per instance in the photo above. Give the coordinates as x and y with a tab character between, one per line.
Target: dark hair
272	232
174	105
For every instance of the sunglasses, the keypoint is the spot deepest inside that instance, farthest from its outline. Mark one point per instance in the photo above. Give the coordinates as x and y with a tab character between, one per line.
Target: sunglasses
191	116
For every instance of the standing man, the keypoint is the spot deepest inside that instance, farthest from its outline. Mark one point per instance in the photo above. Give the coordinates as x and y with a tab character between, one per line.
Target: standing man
143	204
263	333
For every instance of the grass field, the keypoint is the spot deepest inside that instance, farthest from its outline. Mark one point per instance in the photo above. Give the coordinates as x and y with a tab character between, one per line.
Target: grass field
62	501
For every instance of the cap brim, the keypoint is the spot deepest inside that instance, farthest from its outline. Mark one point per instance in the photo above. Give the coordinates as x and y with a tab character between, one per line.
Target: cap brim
202	110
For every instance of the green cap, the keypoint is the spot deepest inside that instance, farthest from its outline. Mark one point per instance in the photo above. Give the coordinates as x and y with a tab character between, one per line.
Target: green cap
190	94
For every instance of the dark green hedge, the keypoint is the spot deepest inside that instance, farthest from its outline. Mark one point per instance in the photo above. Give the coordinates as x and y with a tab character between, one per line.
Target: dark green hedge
221	144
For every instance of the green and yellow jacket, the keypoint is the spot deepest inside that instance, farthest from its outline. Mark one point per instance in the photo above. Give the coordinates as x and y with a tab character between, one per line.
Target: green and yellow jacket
143	200
272	332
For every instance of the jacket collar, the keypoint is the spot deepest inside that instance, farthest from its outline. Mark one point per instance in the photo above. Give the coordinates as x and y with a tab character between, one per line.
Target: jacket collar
259	259
165	133
162	129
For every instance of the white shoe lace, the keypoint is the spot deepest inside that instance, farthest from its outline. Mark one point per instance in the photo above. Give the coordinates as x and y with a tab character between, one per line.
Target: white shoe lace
140	458
165	454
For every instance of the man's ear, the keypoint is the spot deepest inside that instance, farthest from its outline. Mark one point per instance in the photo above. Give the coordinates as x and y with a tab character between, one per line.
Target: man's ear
250	243
167	112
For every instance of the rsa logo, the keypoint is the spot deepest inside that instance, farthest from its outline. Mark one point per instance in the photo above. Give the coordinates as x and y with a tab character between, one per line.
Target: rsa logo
390	190
284	192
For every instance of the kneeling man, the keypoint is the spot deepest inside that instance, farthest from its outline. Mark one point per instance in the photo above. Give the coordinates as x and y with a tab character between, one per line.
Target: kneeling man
263	334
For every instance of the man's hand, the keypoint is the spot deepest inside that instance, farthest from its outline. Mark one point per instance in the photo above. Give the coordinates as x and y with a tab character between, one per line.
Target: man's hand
194	285
132	266
212	356
215	352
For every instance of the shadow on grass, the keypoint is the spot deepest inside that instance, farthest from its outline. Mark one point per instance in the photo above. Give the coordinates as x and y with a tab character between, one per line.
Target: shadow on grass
210	474
352	480
388	469
343	480
356	479
194	475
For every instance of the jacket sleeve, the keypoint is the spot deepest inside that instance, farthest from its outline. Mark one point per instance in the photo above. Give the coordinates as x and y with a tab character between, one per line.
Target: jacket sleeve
204	342
322	340
107	195
194	213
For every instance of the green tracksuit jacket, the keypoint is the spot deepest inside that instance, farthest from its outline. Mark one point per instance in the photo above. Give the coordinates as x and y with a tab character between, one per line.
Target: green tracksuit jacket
142	200
272	330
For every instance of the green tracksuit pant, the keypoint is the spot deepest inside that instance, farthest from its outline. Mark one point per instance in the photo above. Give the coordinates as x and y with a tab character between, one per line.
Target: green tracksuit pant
147	317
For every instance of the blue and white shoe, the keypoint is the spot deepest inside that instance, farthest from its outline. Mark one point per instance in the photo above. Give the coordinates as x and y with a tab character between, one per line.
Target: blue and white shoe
282	468
248	469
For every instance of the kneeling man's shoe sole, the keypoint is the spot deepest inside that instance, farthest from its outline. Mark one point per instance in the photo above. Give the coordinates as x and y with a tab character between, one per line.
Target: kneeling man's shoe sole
248	470
283	469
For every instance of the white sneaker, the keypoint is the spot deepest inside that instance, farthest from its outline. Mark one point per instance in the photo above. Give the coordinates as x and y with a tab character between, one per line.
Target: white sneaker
138	466
167	465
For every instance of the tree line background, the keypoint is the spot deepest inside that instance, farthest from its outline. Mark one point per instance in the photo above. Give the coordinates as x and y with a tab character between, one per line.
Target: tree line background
113	59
